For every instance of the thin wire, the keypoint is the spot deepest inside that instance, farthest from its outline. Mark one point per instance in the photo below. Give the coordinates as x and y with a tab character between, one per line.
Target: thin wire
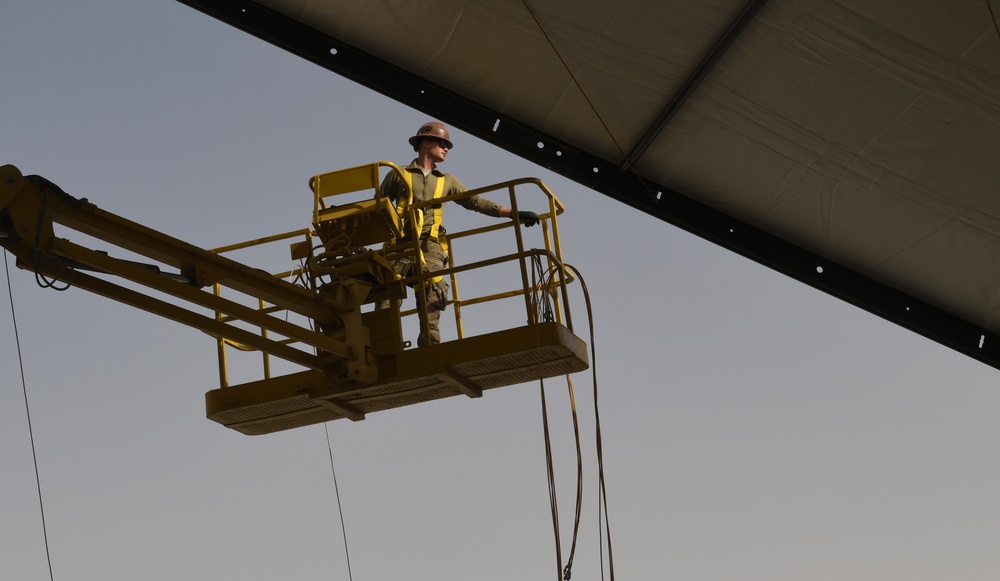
573	77
340	507
583	93
27	413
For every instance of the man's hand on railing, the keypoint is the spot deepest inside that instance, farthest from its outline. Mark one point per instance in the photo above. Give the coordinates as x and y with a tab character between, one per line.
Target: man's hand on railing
527	217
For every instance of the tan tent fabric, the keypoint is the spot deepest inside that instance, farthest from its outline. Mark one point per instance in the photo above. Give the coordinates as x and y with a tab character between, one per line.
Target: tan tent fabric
864	131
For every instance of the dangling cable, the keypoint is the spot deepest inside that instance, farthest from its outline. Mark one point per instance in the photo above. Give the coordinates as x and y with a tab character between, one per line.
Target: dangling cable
602	492
542	310
27	413
568	569
536	277
340	507
553	500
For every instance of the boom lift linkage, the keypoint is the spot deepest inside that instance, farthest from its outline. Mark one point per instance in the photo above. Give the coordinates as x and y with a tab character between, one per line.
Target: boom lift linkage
347	358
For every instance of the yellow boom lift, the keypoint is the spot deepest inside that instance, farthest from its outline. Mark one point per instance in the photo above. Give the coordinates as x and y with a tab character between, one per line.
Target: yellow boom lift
344	358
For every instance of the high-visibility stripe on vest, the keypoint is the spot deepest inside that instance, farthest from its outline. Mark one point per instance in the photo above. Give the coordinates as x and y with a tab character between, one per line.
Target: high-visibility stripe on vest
401	209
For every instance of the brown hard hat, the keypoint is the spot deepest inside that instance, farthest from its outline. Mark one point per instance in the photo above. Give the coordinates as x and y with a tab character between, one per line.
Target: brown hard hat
432	129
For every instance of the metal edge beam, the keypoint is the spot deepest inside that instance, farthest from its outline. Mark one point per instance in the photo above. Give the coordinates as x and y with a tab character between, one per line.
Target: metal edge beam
607	178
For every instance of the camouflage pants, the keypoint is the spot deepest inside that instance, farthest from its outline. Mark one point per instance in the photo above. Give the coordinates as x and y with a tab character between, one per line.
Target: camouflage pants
435	295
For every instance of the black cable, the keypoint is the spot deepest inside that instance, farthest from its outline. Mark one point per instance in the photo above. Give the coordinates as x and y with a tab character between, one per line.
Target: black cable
27	413
42	185
538	282
602	492
542	311
568	569
553	501
340	507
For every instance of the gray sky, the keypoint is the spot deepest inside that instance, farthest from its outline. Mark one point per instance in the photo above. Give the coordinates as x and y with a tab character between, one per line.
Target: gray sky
753	428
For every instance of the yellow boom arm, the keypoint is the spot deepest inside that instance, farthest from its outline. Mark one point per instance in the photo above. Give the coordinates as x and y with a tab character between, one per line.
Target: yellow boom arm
352	357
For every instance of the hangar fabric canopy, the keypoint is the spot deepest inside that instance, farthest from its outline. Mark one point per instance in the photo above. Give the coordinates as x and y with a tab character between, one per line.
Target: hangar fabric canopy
850	144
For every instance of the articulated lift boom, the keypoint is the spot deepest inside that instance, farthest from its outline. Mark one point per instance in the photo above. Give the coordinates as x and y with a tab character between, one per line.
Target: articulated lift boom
346	357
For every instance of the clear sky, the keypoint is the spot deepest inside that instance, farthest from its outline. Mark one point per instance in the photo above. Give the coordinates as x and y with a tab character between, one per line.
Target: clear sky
753	428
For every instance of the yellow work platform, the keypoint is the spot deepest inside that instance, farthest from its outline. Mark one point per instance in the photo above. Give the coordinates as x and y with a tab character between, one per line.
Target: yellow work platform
462	367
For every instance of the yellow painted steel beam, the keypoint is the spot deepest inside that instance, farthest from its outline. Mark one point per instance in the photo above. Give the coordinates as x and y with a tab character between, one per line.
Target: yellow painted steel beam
178	314
202	266
255	317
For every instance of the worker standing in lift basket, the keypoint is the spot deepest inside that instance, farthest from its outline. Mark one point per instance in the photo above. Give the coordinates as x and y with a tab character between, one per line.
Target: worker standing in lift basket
432	144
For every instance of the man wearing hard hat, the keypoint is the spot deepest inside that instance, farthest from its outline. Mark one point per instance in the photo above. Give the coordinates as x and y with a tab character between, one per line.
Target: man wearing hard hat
432	144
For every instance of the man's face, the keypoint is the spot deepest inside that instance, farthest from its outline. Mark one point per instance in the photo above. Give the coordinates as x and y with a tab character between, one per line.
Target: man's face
435	148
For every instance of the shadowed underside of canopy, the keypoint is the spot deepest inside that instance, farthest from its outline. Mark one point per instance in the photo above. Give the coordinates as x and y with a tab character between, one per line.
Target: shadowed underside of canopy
850	144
